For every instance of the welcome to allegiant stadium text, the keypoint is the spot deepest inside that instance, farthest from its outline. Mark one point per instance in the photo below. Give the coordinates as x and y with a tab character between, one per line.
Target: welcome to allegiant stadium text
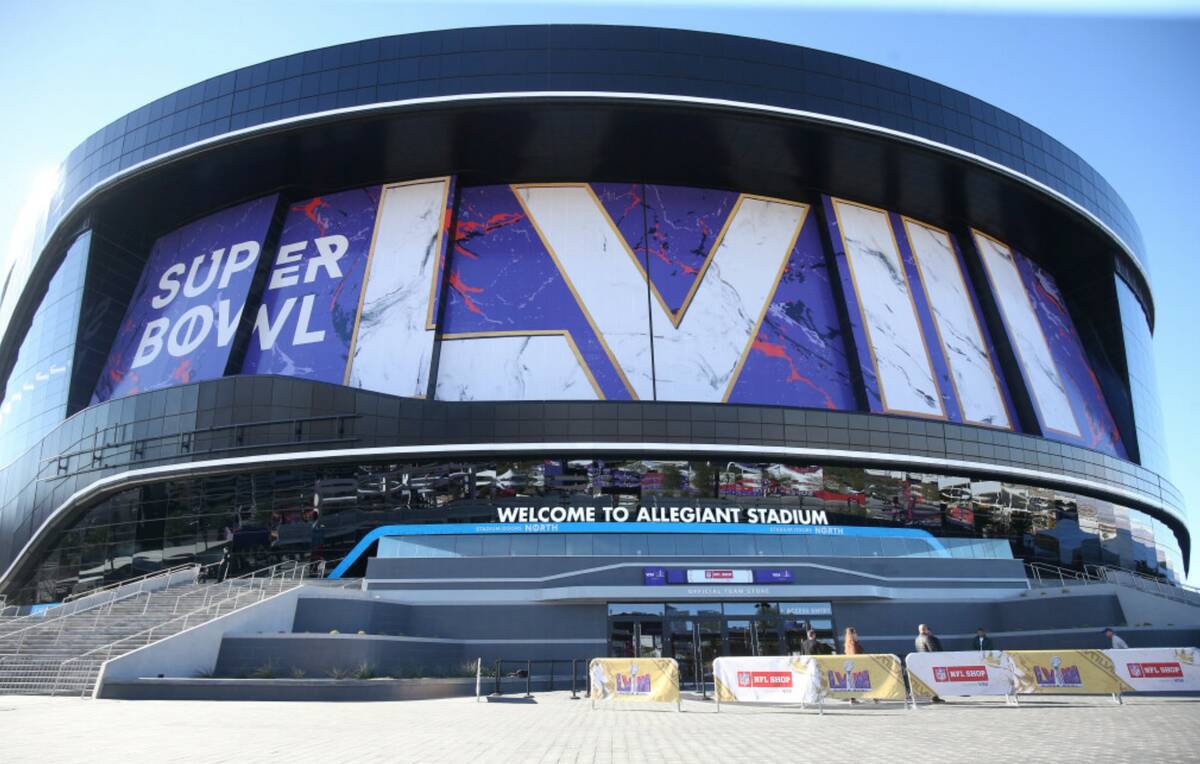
754	515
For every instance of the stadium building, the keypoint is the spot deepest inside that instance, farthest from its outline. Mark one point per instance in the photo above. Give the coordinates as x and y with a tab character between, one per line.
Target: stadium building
585	340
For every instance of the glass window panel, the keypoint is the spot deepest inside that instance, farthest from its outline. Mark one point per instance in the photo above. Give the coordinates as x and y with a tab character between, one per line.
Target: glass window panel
633	544
715	544
741	546
661	543
635	608
524	546
767	545
496	546
551	545
579	543
606	544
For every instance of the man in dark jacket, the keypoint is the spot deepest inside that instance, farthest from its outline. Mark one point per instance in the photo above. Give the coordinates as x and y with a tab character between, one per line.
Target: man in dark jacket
982	641
813	646
927	642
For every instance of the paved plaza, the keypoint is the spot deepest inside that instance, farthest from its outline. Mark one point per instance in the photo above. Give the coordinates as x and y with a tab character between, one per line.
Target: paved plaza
557	729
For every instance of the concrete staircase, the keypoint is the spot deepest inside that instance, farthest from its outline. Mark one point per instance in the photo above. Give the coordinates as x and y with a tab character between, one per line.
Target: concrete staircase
64	654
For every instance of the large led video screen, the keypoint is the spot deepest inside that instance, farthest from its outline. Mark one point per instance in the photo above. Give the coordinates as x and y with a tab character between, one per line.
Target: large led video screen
305	322
920	341
1065	392
639	292
186	308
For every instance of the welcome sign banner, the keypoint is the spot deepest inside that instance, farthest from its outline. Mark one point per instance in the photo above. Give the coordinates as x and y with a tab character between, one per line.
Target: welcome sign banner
646	680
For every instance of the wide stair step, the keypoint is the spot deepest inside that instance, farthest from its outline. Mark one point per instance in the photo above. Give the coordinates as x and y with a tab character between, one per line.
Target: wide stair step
46	655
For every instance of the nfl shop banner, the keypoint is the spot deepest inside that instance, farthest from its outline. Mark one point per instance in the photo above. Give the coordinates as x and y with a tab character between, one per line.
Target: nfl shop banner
969	672
1065	672
766	679
634	679
1157	669
878	677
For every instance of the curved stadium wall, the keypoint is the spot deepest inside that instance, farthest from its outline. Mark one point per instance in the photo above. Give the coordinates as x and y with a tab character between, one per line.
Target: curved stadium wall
420	279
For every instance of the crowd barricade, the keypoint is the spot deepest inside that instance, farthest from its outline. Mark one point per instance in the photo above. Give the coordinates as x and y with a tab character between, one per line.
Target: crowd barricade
653	680
808	679
1053	672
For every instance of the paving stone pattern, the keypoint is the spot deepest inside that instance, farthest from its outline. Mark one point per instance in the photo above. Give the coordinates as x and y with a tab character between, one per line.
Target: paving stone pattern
556	729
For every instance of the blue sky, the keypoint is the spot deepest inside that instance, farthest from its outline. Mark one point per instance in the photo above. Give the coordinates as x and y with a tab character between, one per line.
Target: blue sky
1119	87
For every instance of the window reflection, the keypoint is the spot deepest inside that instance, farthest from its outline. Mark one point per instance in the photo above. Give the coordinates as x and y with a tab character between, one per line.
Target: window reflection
251	520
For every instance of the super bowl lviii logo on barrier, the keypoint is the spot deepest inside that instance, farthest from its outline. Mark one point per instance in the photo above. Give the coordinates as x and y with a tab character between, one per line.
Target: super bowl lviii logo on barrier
1085	672
634	679
878	677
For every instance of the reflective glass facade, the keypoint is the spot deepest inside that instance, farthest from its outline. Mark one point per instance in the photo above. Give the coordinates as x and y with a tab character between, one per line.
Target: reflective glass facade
1143	383
35	398
580	58
254	519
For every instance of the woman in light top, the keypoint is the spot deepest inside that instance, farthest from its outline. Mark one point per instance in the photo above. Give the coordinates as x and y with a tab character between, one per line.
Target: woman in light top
850	643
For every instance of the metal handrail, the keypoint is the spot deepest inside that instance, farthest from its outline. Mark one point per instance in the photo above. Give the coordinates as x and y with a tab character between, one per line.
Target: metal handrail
289	570
127	581
1108	574
60	618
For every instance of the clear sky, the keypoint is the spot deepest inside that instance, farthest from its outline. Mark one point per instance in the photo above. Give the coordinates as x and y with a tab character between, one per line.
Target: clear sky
1119	87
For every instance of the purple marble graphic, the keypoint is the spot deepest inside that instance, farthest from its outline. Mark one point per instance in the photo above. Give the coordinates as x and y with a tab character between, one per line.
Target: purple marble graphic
857	329
798	357
501	279
941	368
682	225
1082	388
185	310
292	317
447	220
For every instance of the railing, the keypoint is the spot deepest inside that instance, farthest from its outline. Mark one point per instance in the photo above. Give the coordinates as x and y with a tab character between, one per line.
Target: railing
99	600
1045	574
219	599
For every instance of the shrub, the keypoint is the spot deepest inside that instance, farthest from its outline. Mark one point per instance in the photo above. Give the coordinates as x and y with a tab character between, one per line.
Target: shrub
337	672
265	671
297	673
364	670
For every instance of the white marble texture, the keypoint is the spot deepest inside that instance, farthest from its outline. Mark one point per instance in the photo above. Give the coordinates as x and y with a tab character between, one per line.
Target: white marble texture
697	361
905	374
1025	333
596	263
963	344
393	348
511	368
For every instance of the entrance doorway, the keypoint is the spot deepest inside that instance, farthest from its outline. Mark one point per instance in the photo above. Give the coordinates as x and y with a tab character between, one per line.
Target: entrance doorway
696	633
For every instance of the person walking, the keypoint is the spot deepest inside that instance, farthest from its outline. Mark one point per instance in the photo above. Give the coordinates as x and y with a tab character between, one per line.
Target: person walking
1117	642
813	646
851	646
927	642
982	641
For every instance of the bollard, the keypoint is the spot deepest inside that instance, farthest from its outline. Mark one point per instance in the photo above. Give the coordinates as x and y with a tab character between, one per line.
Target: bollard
552	662
574	675
498	677
528	678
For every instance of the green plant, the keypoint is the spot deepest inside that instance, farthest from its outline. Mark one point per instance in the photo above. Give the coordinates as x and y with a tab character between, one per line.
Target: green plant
265	671
337	672
334	631
297	673
364	670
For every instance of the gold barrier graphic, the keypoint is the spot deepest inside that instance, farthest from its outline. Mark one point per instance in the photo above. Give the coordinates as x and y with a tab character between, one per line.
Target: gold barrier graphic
1065	672
653	680
876	677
